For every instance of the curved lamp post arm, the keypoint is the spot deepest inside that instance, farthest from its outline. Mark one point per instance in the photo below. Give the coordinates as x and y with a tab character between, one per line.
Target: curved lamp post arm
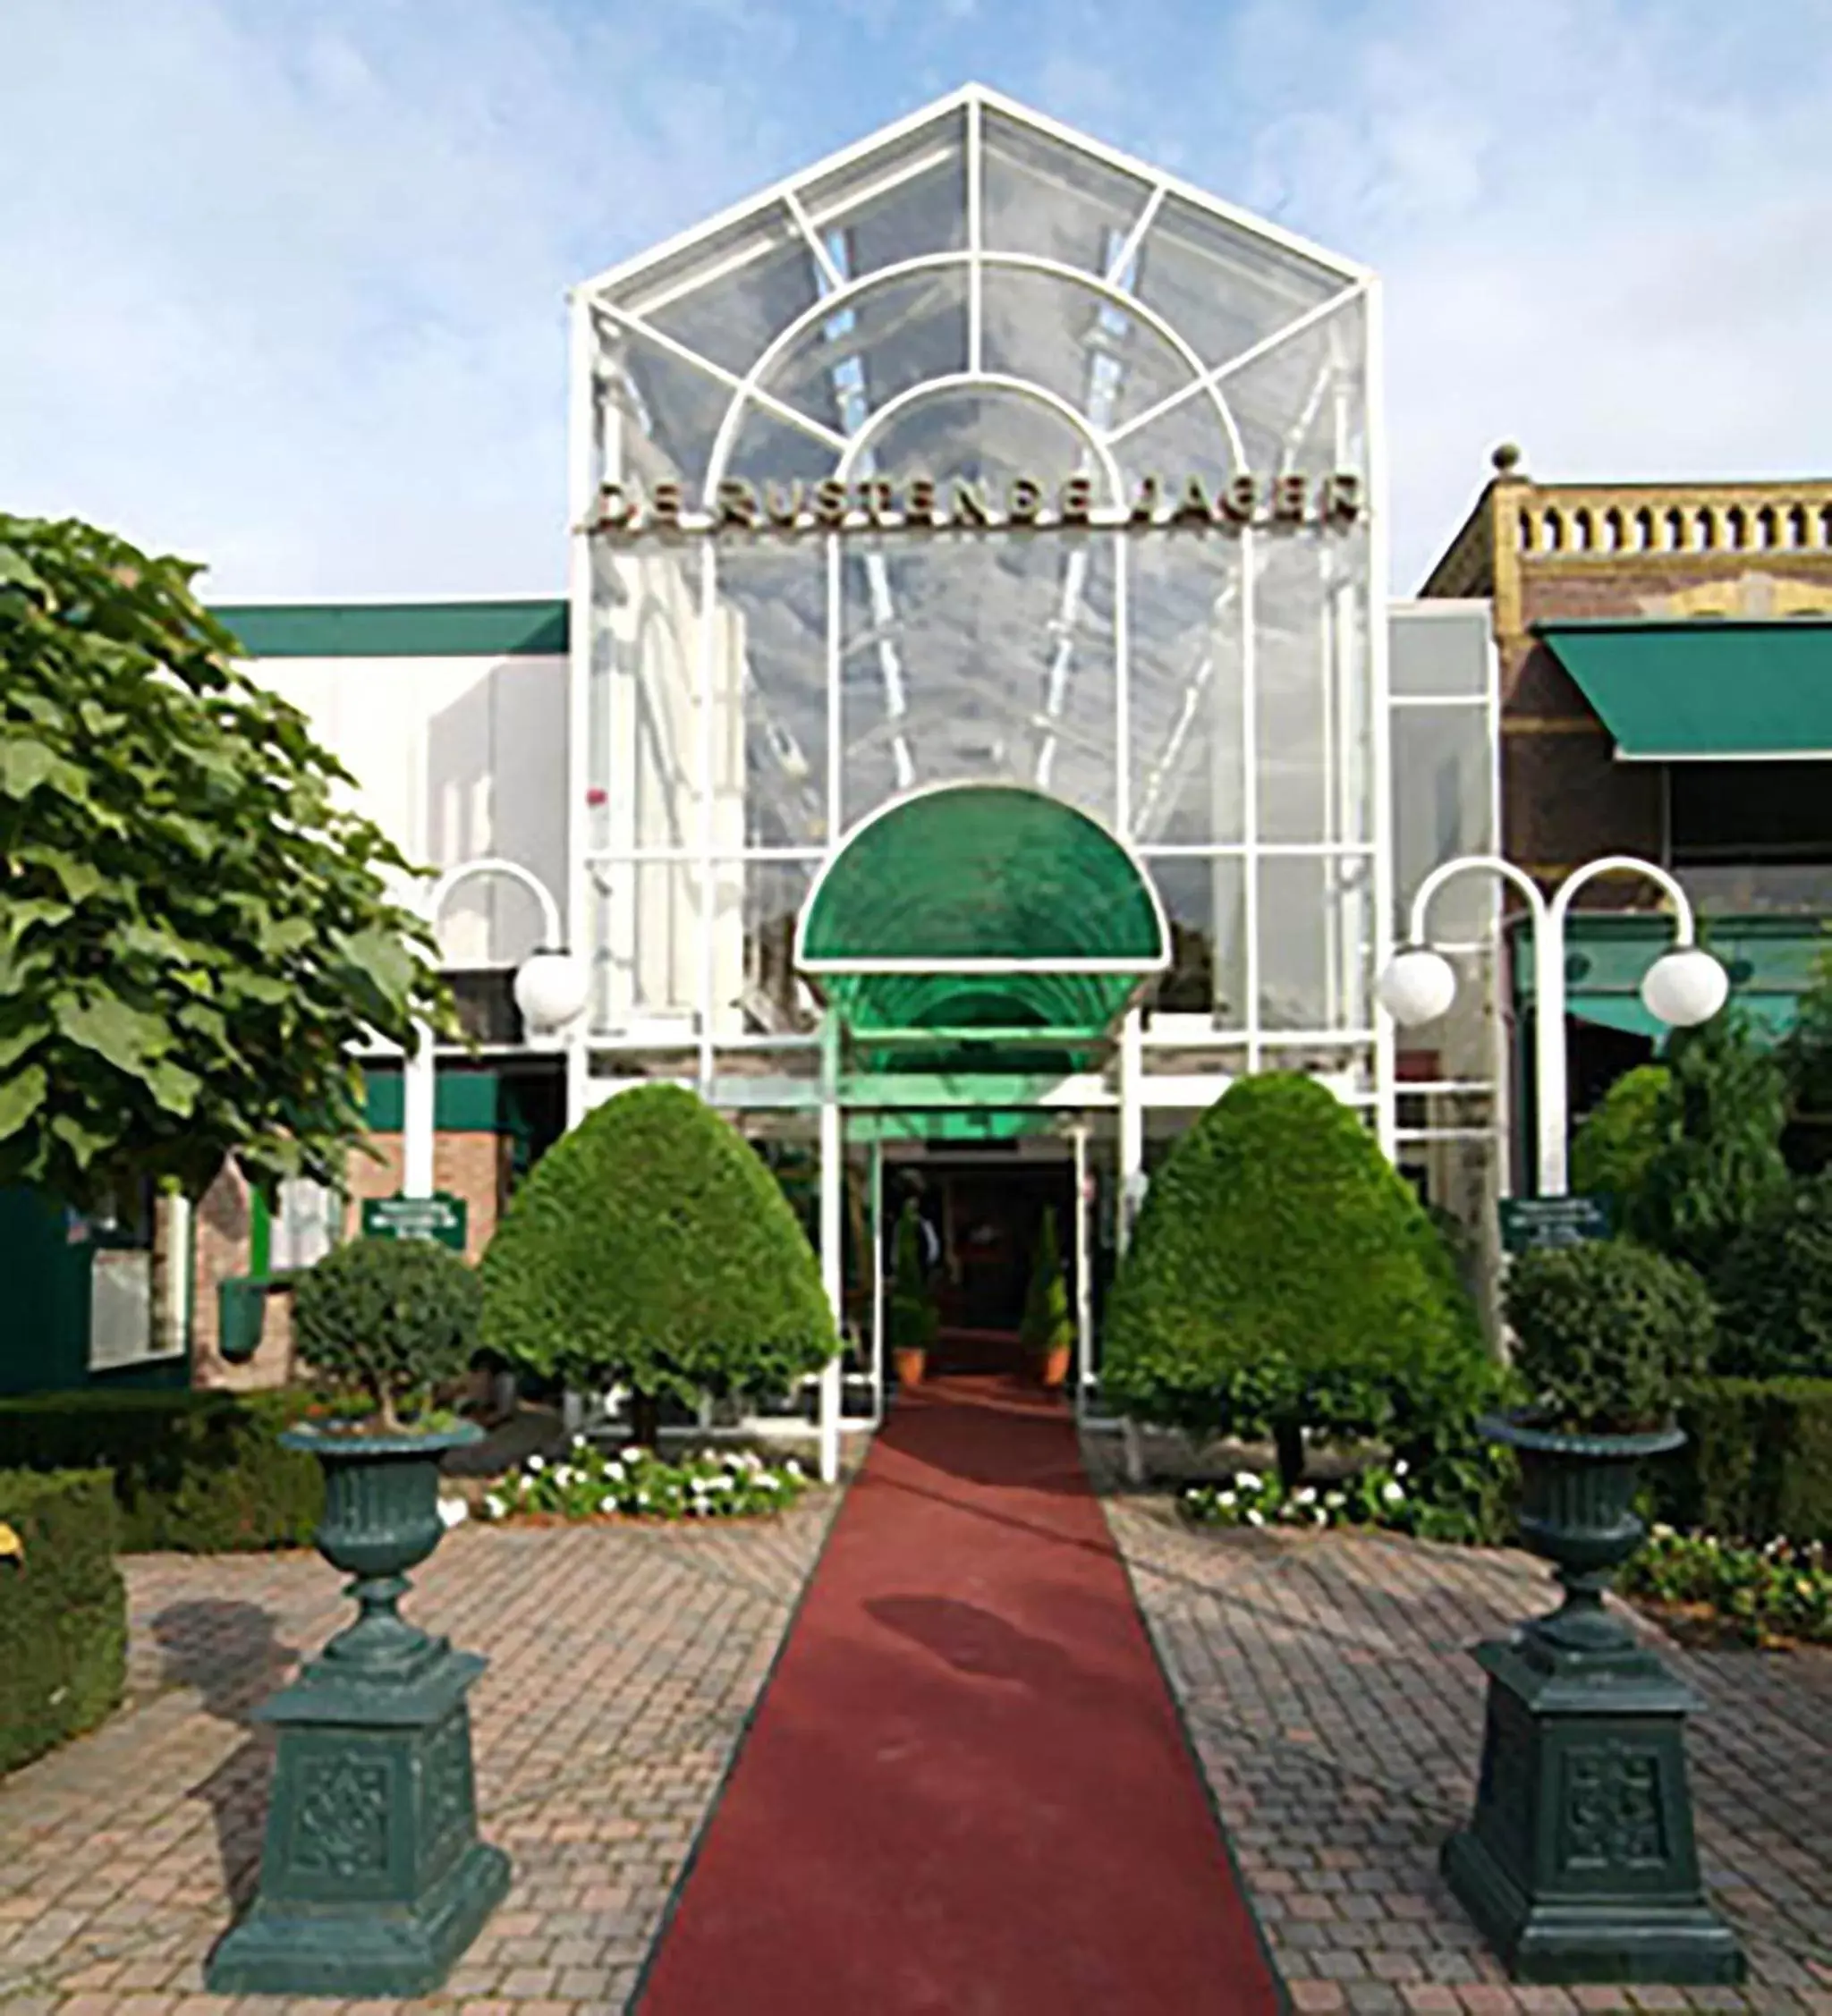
1472	864
417	1078
1627	864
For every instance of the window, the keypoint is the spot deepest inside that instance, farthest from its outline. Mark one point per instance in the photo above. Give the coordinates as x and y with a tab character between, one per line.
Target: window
307	1218
1751	836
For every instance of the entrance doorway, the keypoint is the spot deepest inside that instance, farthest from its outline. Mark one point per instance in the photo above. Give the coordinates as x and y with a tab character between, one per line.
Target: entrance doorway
984	1208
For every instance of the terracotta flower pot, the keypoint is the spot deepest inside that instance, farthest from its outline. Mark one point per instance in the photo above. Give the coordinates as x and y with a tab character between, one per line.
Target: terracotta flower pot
1055	1366
911	1367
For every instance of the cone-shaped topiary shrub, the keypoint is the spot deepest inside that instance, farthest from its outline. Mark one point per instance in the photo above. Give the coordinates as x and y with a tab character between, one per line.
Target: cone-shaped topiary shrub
1283	1276
1047	1326
911	1318
391	1318
1616	1146
650	1247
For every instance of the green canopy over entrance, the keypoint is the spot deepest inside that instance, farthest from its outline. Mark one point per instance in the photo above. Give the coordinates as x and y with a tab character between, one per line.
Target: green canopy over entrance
981	914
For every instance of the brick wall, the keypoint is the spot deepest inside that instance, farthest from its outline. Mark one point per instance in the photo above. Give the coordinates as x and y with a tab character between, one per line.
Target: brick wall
474	1166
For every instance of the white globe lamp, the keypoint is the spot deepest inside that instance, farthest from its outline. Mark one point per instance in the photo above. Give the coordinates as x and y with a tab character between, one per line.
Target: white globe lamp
550	989
1417	986
1685	987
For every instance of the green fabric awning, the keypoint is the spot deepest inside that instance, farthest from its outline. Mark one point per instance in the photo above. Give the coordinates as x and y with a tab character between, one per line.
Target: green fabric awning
1770	962
982	911
1704	687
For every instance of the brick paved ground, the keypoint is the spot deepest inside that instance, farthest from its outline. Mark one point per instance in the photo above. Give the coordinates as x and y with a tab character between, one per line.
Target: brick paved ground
623	1663
1326	1683
1326	1678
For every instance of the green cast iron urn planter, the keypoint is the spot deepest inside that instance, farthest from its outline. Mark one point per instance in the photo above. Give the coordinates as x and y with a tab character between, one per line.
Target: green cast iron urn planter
1580	1865
373	1880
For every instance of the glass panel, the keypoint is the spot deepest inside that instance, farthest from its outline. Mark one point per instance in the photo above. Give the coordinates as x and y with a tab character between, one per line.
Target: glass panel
1443	806
773	457
1315	941
120	1307
1185	688
1435	652
1204	901
772	601
893	336
986	654
898	202
1461	1044
645	747
670	410
1041	196
1071	339
734	318
656	940
1301	405
769	1000
1311	693
1222	286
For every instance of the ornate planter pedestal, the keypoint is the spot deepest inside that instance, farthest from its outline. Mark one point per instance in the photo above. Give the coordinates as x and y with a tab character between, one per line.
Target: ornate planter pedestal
373	1880
1580	1865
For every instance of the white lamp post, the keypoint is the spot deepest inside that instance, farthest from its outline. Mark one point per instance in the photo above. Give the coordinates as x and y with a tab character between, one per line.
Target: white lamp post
1684	985
551	987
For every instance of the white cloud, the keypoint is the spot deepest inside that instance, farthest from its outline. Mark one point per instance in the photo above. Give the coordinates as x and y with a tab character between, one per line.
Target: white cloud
280	281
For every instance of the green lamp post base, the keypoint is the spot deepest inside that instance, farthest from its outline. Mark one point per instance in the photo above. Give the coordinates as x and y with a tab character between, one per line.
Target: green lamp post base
373	1880
1580	1864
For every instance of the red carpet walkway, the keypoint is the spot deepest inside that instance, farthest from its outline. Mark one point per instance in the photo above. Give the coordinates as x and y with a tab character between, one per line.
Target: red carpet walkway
965	1791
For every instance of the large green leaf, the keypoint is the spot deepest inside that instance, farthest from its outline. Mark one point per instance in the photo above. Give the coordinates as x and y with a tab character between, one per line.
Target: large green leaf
22	1093
128	1038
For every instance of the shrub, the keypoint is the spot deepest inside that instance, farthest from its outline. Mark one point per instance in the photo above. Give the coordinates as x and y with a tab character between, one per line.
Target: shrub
1613	1150
1757	1461
1045	1325
194	1473
390	1318
1282	1276
1778	1592
1718	1163
1774	1290
650	1247
63	1611
1609	1332
911	1318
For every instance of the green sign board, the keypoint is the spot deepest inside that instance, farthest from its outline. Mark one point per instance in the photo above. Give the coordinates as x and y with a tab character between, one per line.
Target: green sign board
1528	1224
440	1217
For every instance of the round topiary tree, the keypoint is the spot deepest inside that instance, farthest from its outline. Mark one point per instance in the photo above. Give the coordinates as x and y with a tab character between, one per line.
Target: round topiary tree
1045	1325
1774	1290
1614	1149
651	1248
1283	1276
392	1318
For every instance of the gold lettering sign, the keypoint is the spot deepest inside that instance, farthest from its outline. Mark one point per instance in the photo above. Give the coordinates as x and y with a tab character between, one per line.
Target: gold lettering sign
1247	500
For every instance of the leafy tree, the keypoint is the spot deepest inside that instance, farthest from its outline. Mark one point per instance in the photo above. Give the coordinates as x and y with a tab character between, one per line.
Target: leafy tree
1283	1276
1805	1057
1774	1290
1719	1163
1609	1332
911	1318
1618	1141
1045	1325
194	935
650	1247
392	1318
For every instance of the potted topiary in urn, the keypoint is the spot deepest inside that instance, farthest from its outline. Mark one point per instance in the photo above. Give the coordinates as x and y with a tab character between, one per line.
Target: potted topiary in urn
373	1880
1607	1334
1578	1864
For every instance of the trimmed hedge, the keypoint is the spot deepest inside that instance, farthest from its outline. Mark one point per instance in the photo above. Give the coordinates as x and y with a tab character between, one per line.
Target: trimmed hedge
63	1611
1757	1461
194	1473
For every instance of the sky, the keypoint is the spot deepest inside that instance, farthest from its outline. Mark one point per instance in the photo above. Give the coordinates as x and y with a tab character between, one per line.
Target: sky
282	282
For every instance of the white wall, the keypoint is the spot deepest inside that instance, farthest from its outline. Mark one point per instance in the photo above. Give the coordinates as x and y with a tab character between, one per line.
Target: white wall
454	758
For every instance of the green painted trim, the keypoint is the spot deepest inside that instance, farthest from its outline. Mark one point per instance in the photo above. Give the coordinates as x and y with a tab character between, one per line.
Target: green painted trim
464	1102
518	627
979	1124
260	1232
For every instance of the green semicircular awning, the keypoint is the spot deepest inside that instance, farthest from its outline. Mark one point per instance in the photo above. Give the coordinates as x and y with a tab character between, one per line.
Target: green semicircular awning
986	909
